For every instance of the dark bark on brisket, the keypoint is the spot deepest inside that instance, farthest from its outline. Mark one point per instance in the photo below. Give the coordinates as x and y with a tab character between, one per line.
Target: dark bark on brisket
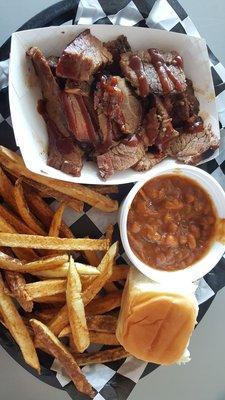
50	90
121	157
83	57
117	47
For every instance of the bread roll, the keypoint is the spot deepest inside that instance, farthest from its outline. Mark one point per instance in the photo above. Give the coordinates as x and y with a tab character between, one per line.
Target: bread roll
156	320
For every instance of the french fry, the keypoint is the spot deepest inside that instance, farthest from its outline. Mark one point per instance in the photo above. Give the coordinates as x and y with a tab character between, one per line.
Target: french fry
60	321
75	307
45	214
22	254
59	298
49	341
7	190
105	268
17	328
15	221
74	191
108	189
102	356
47	262
17	287
109	233
98	323
46	314
119	273
24	210
62	271
51	243
104	304
51	287
76	205
57	221
103	338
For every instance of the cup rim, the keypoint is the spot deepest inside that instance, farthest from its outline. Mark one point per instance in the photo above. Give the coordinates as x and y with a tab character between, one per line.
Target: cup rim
192	272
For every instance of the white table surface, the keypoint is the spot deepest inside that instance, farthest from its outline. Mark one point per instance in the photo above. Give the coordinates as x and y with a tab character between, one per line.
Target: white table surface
203	378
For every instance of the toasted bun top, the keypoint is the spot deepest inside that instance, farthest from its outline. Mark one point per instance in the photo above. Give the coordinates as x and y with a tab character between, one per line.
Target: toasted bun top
155	324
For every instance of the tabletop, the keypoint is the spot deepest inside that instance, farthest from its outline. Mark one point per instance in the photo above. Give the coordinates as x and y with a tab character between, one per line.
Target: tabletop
203	378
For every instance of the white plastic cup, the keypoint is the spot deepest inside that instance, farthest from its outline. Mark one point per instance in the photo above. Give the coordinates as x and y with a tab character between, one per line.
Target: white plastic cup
215	252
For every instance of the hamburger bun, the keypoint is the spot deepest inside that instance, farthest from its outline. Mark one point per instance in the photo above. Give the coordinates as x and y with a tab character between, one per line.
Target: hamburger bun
156	321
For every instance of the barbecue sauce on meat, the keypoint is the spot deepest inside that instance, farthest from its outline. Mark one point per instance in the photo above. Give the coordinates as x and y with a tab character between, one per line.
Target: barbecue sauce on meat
165	75
194	124
137	66
178	60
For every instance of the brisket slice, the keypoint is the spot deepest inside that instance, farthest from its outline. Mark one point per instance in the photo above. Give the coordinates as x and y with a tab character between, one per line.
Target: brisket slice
114	99
79	119
148	75
121	157
117	47
148	161
63	154
50	90
157	127
183	107
83	57
191	148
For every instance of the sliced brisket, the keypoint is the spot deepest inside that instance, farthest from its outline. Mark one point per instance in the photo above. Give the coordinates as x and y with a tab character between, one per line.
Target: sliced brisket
117	47
154	71
148	161
63	154
50	90
124	155
83	57
157	126
115	100
79	119
190	148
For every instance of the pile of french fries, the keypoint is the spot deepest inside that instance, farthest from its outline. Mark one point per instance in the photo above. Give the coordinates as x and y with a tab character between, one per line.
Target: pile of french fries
48	301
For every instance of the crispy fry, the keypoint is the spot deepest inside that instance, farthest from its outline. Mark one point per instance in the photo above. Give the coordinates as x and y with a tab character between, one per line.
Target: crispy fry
50	341
45	214
51	243
17	328
22	254
58	323
7	190
17	286
98	323
119	273
108	189
62	271
76	205
109	233
47	262
51	287
75	307
57	221
24	210
103	338
104	304
59	298
102	356
75	191
15	221
105	268
46	314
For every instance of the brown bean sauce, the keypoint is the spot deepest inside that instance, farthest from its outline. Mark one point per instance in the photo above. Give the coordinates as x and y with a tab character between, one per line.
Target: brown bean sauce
171	222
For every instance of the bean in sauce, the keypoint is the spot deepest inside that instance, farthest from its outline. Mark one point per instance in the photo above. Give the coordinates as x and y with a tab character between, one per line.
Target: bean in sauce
171	222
